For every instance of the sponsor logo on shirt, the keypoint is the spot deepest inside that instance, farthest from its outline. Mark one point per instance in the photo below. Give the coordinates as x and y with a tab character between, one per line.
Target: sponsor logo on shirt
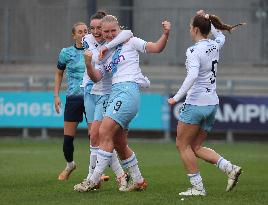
113	63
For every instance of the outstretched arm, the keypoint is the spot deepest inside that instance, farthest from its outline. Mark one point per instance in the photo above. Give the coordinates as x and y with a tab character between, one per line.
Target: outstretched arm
157	47
123	36
94	74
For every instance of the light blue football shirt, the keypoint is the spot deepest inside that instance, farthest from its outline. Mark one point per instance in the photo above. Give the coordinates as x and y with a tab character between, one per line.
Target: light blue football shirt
72	60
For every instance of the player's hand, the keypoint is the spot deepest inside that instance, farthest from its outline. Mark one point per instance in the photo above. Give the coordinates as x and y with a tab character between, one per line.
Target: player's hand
88	56
166	27
201	13
171	101
103	52
57	104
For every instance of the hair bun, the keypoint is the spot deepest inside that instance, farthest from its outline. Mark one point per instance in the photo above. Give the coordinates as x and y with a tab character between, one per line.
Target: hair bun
102	13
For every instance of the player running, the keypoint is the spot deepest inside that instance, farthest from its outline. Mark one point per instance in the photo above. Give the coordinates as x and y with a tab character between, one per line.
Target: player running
198	112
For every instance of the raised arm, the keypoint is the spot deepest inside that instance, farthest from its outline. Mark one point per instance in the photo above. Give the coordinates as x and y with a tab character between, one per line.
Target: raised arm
94	74
218	35
158	46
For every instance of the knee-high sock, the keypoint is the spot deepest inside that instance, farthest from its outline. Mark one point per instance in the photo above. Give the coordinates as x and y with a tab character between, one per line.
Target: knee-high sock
132	165
116	166
103	160
68	148
92	160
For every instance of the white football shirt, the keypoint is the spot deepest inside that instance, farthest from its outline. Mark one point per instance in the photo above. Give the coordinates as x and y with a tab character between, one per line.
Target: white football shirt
104	86
201	65
127	63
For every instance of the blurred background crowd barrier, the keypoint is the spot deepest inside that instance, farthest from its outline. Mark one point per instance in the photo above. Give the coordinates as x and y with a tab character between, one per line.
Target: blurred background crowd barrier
34	31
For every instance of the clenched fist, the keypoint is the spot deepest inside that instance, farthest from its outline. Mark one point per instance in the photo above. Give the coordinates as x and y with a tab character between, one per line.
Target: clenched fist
166	27
88	56
102	53
171	101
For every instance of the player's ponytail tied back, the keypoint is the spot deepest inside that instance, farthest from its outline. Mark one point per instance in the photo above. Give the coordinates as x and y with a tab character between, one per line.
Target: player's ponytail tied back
218	24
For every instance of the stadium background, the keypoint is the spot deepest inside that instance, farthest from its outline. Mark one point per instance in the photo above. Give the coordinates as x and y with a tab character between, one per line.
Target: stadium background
34	31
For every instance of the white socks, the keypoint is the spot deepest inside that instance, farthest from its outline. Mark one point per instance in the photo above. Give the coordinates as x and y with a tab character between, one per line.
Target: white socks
103	160
116	166
133	169
70	165
114	162
224	165
92	160
196	181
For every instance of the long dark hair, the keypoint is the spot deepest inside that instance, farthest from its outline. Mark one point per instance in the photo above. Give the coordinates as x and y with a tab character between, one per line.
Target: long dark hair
218	24
204	24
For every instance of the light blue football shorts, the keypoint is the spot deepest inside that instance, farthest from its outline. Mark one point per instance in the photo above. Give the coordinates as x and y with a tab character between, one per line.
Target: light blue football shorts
124	103
199	115
95	105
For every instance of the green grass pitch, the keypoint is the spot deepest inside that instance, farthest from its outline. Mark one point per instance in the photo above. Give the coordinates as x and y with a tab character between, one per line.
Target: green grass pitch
29	169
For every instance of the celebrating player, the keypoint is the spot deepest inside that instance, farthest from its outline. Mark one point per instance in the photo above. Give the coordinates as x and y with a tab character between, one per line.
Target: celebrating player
198	112
123	65
96	98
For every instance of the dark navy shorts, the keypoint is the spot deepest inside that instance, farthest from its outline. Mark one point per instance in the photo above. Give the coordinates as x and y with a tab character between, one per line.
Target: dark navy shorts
74	108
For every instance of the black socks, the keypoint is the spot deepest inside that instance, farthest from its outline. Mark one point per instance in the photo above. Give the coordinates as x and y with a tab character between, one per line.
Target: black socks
68	148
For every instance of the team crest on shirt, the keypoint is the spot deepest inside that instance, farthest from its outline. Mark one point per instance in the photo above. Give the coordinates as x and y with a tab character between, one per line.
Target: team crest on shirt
85	45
